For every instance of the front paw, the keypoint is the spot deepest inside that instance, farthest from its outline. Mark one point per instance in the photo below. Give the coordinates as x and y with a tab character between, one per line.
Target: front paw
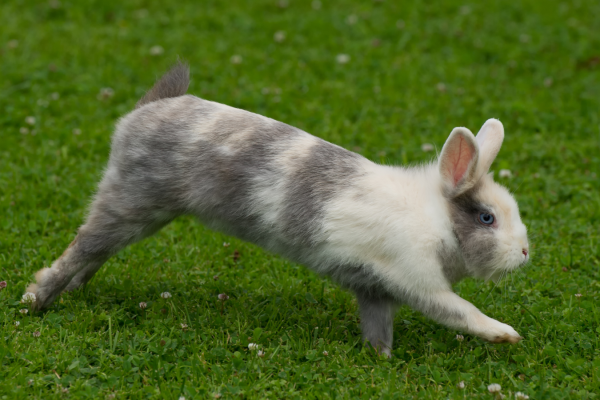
504	334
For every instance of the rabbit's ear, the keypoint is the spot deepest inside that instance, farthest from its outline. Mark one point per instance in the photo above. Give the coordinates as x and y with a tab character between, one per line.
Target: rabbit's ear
458	162
489	139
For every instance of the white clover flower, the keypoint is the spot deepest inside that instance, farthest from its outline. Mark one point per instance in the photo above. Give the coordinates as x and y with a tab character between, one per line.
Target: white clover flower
36	334
351	19
461	385
505	173
143	305
460	338
225	244
76	131
184	326
17	323
260	353
141	13
223	296
156	50
28	298
279	36
325	353
106	93
494	388
181	398
252	346
23	130
23	311
521	396
165	295
577	294
427	147
236	59
342	58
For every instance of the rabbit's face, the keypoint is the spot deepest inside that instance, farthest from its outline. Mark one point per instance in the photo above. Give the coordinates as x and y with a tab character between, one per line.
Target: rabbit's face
485	217
492	238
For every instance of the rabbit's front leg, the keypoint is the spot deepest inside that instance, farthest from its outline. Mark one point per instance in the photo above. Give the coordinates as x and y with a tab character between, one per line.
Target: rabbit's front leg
451	310
376	320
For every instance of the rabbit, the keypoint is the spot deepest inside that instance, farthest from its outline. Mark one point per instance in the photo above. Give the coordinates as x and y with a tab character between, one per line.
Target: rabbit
392	235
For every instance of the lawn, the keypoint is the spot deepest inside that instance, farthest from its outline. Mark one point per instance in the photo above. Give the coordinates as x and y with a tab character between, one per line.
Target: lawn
381	78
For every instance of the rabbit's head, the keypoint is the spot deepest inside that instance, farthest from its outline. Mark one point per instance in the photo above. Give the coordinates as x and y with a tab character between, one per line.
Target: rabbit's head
485	216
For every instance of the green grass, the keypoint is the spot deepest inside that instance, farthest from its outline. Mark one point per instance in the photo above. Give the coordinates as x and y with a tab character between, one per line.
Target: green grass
416	70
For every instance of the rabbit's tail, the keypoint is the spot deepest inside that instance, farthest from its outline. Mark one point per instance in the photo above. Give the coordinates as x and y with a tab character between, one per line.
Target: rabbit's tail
172	84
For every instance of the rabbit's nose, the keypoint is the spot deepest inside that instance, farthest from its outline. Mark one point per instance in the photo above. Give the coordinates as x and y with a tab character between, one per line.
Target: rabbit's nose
525	252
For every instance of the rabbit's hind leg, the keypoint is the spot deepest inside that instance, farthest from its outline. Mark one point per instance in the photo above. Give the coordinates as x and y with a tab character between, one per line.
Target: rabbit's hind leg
105	232
88	271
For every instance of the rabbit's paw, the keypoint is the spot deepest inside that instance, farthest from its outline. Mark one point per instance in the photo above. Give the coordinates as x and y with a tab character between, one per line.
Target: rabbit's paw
44	291
503	334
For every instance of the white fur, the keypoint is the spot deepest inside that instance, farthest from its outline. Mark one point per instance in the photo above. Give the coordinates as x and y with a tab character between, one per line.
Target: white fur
395	219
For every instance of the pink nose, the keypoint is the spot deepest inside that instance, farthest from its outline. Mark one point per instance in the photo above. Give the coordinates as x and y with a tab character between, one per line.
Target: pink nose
525	252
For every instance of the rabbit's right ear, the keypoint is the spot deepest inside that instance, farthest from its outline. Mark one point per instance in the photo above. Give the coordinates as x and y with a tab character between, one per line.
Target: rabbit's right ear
458	162
489	139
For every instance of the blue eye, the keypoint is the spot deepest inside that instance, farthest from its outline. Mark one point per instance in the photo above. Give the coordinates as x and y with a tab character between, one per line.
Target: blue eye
486	219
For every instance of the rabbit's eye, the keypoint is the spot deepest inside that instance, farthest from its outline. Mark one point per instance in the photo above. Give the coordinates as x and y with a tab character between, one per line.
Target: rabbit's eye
486	219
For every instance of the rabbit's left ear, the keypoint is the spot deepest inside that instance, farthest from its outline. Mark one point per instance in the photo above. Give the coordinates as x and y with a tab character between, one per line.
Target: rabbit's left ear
489	139
458	162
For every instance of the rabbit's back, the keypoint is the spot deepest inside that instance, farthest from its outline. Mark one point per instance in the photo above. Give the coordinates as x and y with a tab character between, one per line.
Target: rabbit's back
259	179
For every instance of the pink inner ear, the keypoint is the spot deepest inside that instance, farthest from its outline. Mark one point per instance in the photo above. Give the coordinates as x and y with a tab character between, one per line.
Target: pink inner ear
460	158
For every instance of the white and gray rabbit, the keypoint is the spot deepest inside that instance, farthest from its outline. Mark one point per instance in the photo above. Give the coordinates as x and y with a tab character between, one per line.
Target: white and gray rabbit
392	235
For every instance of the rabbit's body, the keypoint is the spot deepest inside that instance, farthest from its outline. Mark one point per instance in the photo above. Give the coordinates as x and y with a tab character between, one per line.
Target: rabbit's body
277	186
392	235
241	173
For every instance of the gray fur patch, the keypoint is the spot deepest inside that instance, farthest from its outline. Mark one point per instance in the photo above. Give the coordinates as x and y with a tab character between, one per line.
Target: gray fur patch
358	278
327	170
377	320
453	266
174	83
477	242
223	184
